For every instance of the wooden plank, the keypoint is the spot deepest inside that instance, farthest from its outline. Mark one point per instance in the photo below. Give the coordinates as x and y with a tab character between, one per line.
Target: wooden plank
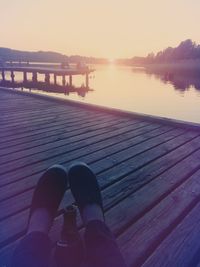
54	149
26	100
181	247
15	119
92	107
80	109
26	103
144	236
12	95
18	227
179	172
52	127
20	131
11	206
20	173
31	125
110	195
15	132
35	114
23	185
40	133
45	106
34	117
143	153
64	157
49	144
137	205
123	163
132	208
120	189
120	221
9	96
25	107
135	180
47	140
21	107
16	94
82	134
42	137
30	131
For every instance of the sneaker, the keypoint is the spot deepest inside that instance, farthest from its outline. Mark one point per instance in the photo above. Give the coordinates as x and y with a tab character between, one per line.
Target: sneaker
50	190
84	186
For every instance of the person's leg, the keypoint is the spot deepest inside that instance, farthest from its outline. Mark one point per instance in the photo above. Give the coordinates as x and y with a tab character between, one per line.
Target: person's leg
101	247
34	250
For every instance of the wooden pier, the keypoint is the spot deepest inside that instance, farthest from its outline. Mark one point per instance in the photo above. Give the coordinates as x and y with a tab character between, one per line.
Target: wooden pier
148	169
47	71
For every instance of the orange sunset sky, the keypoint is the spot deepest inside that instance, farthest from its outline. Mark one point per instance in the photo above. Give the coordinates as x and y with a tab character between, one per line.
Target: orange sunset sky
106	28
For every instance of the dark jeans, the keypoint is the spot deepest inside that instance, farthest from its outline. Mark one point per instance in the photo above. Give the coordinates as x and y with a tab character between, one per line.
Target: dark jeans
101	249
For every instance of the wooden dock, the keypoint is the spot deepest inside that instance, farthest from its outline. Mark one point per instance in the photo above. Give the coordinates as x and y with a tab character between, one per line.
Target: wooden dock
148	169
46	71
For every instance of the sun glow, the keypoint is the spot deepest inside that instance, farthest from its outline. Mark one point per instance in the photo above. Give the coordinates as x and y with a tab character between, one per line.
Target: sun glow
111	61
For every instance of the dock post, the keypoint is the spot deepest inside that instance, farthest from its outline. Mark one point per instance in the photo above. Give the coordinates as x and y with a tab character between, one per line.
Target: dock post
70	80
3	75
12	75
47	78
25	77
87	80
63	80
55	79
34	77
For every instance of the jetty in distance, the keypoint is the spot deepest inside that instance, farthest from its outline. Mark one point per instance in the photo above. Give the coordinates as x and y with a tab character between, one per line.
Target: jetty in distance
66	72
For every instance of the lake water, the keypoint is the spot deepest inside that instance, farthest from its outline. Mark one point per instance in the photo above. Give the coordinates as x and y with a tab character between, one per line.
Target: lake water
132	89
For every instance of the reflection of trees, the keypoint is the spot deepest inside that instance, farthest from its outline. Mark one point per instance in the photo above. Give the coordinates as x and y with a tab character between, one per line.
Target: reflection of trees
180	81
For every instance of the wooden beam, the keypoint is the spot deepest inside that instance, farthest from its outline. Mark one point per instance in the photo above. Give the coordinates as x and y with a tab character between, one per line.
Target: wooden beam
47	78
87	80
3	75
34	77
63	80
12	75
25	76
55	79
70	80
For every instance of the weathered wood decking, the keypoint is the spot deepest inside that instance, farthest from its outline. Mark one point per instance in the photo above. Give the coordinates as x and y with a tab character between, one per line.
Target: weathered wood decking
148	171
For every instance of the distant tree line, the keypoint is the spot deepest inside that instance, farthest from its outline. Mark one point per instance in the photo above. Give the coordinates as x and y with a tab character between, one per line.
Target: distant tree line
186	50
7	54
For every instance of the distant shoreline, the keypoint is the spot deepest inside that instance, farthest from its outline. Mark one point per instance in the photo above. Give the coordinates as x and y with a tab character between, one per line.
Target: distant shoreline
192	66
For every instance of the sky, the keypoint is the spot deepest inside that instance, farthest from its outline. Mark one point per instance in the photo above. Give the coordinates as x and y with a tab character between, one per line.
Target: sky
99	28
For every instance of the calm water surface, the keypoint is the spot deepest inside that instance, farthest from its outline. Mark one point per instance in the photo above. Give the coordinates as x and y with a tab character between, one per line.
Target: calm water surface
171	96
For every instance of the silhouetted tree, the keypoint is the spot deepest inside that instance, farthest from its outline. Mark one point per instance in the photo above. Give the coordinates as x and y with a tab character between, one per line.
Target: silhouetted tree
185	50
